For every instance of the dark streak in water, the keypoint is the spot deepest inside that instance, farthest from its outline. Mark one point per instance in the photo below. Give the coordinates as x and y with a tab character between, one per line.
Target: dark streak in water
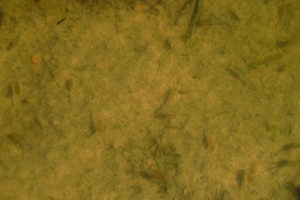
92	126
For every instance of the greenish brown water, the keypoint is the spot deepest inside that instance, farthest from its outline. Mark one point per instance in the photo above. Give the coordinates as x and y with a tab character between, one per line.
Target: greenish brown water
149	100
